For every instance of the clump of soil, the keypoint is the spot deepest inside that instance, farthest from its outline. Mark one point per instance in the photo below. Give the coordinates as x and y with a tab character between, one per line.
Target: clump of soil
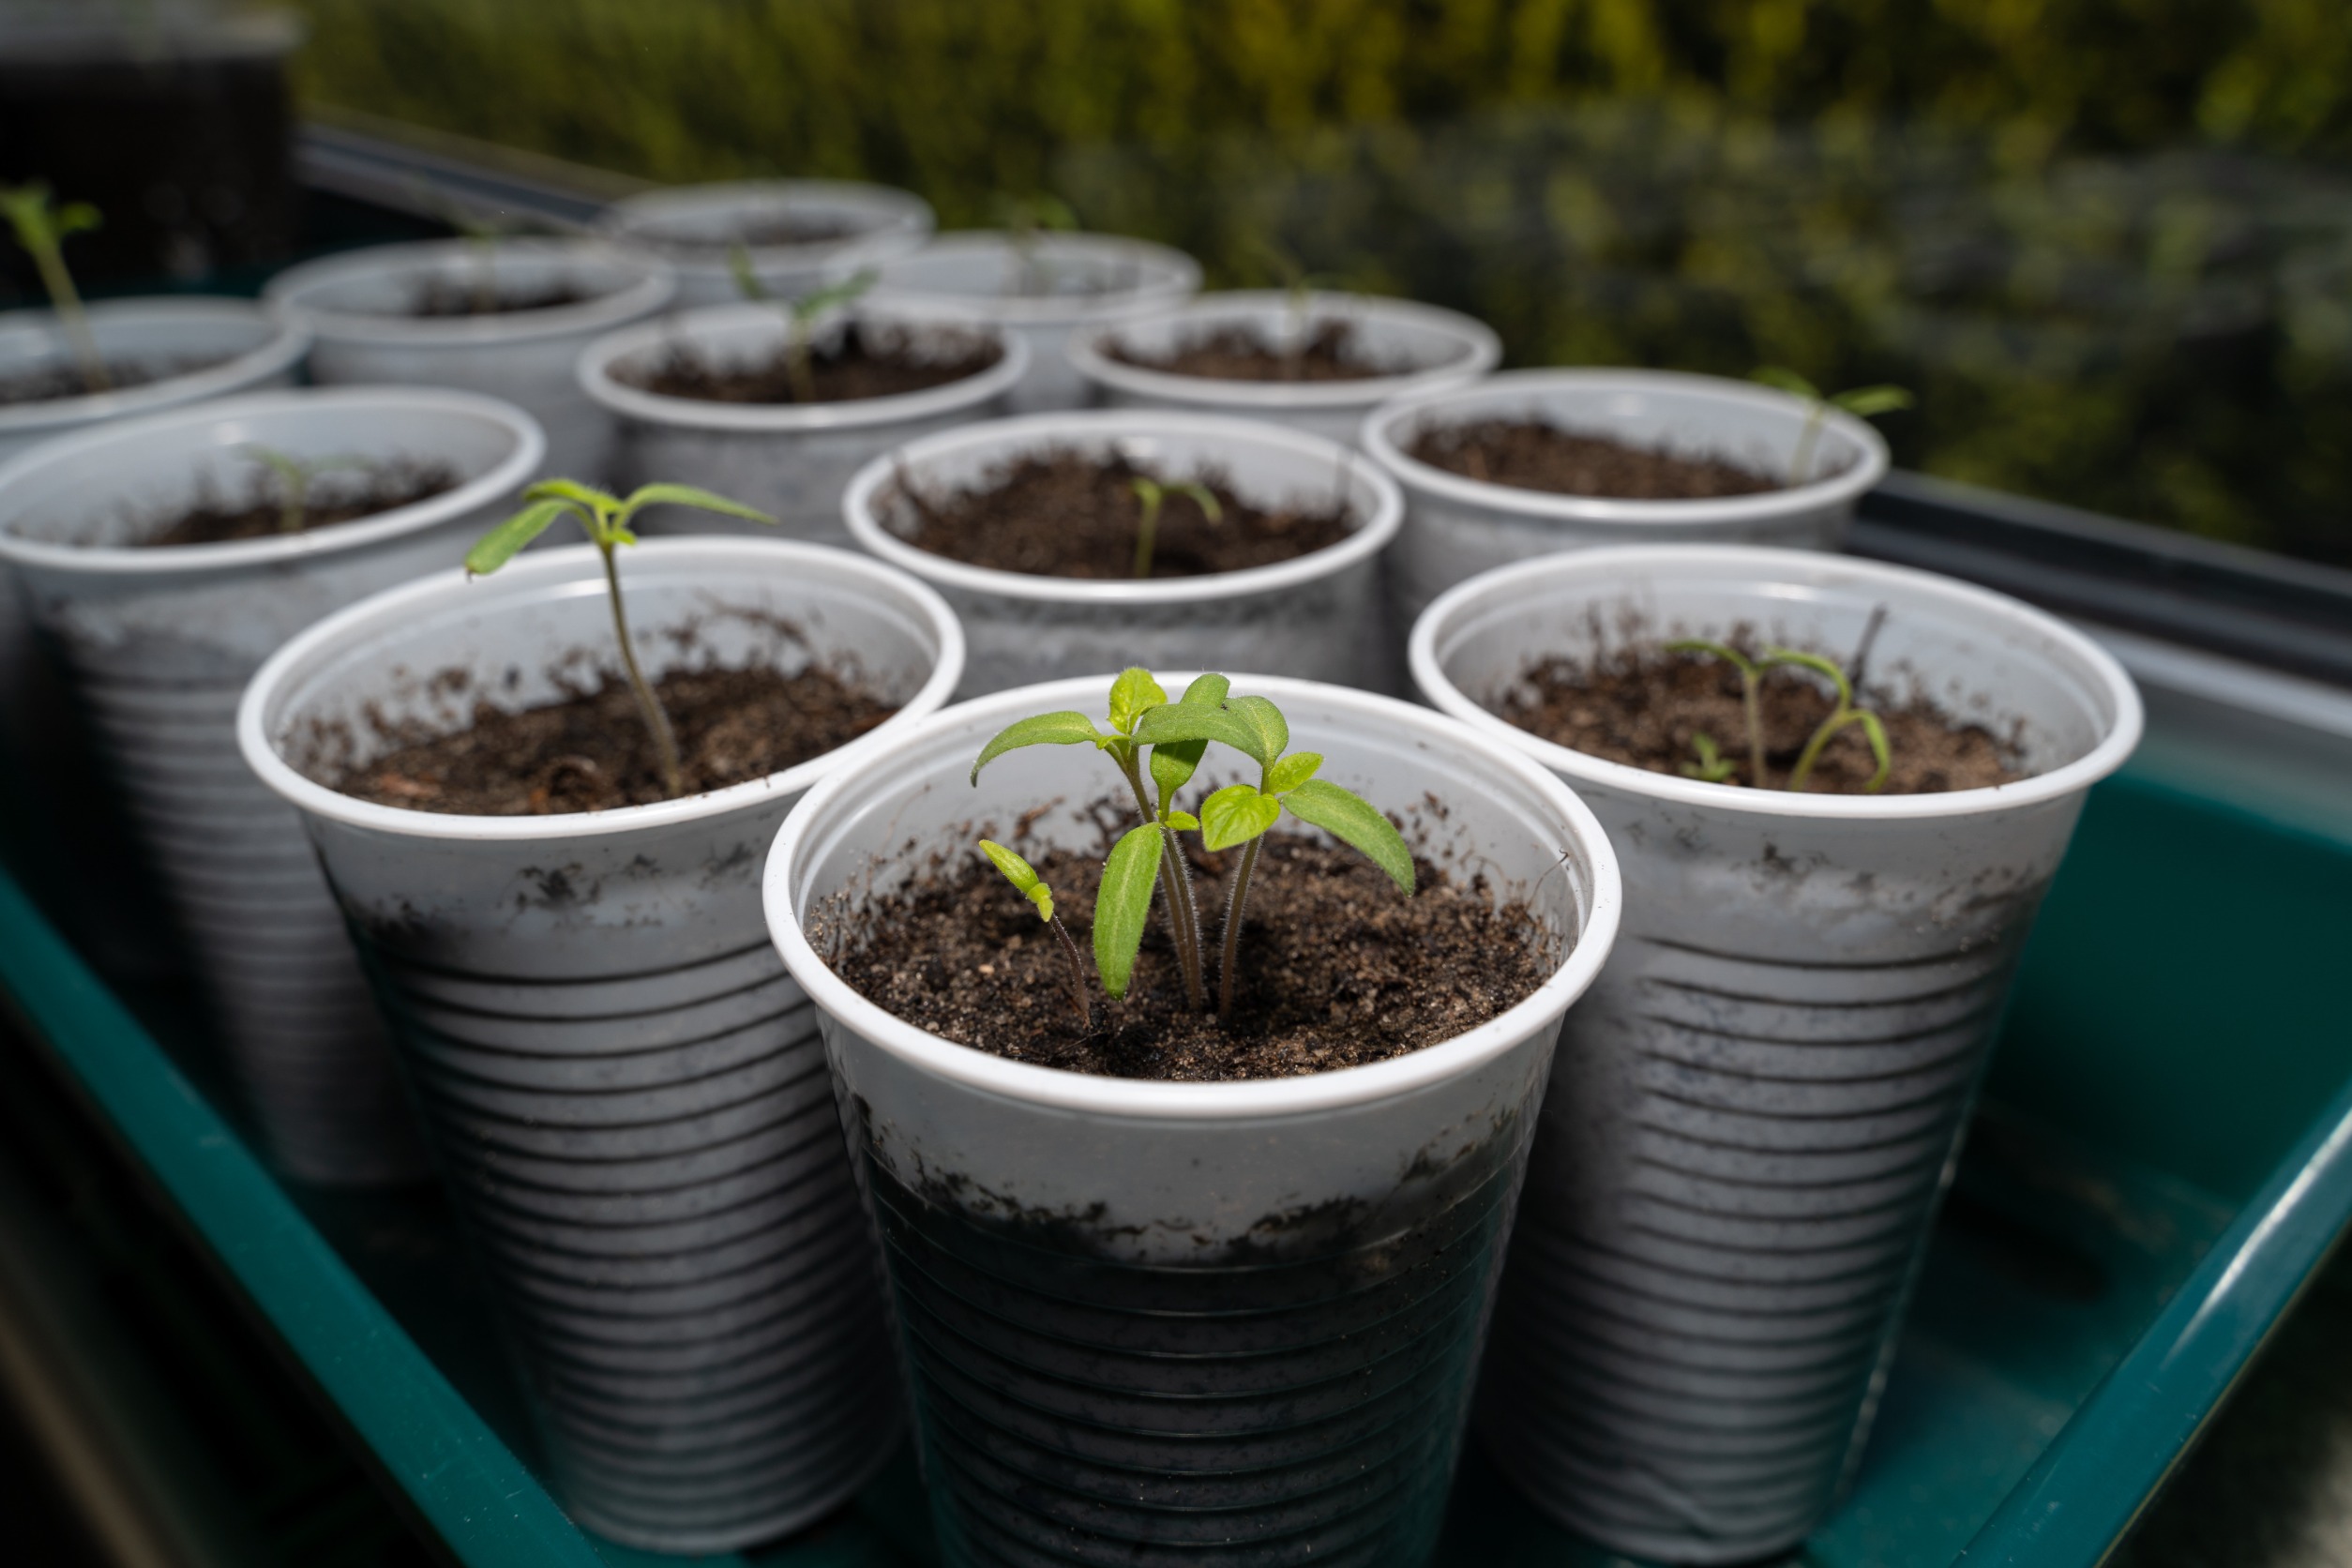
1328	353
860	361
591	752
1337	968
446	297
1060	512
1529	454
329	500
1643	707
50	383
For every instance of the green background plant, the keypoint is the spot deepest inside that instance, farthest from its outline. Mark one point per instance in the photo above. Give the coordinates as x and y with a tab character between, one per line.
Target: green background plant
2107	242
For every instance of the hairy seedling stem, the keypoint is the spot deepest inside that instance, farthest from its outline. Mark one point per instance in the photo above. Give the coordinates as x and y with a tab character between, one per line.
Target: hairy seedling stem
800	315
42	232
1153	495
1863	402
1714	769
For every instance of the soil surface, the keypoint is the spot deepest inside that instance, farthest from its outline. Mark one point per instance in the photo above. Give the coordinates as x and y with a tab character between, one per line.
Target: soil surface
1330	352
50	383
439	297
1645	708
1338	968
591	752
332	498
1527	454
1063	513
860	362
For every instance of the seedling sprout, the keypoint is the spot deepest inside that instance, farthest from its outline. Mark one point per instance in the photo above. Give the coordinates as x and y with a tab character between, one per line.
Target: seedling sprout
1863	402
481	235
1714	768
293	476
1298	287
40	232
800	315
1026	881
606	518
1152	494
1027	219
1151	854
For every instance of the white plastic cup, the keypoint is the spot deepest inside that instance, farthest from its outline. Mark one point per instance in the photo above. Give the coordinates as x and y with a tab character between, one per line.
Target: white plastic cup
1126	1303
1457	527
1419	347
358	306
1064	284
689	228
158	643
626	1094
1315	617
791	461
1760	1104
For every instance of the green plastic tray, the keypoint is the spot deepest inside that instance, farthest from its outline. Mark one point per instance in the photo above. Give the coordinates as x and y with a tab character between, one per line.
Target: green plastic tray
2163	1157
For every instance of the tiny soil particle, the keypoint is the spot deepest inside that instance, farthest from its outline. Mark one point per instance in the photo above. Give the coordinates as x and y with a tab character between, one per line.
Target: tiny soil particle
1527	454
50	383
454	296
332	498
591	752
1063	513
1337	967
1328	353
1643	708
859	361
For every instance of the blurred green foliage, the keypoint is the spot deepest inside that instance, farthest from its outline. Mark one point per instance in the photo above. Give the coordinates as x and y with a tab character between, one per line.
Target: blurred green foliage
2109	242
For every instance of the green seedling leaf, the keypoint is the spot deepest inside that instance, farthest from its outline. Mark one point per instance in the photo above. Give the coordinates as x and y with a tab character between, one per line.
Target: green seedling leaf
1180	722
502	543
1124	903
76	217
1022	875
1876	733
1235	815
1813	662
1265	723
570	489
1723	651
1173	763
1062	729
1183	821
1132	694
687	496
1351	819
1290	772
1713	767
816	303
746	280
1867	402
1785	380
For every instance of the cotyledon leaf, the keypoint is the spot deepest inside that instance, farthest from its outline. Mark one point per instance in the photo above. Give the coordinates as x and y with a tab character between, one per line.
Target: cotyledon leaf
499	546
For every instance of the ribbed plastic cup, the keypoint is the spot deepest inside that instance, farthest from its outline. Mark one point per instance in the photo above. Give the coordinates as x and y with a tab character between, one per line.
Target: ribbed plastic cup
1413	348
691	228
158	642
626	1094
1189	1323
1317	616
1758	1107
1457	527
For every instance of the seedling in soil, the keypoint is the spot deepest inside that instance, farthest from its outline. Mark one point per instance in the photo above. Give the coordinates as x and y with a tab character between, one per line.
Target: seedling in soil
481	237
1151	854
1152	494
1026	881
1298	287
800	315
1863	402
293	478
41	233
1027	219
1715	769
606	518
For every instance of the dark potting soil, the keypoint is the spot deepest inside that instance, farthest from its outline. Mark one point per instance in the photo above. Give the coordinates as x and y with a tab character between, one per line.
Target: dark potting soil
1529	454
1337	967
446	297
1328	353
1063	513
52	383
591	752
1643	707
860	362
331	499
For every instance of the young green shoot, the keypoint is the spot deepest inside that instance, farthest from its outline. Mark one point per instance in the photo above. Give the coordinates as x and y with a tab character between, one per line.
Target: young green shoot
1152	494
1714	768
481	235
800	315
1151	854
1027	219
41	233
1027	882
1298	286
606	518
293	476
1862	402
